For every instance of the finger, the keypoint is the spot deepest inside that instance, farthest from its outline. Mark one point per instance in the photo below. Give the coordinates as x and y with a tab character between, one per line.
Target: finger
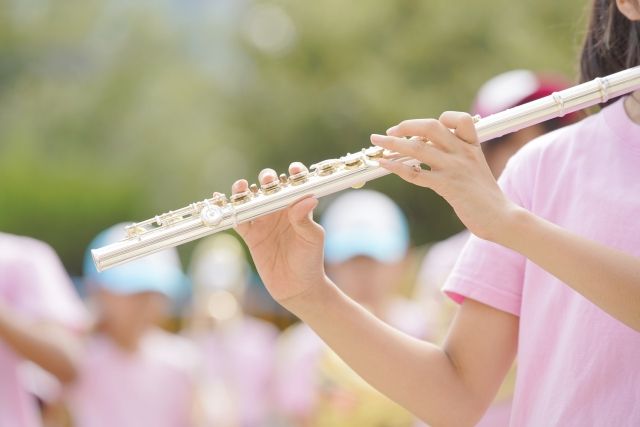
296	167
431	129
267	175
301	219
423	151
240	186
462	125
413	174
418	127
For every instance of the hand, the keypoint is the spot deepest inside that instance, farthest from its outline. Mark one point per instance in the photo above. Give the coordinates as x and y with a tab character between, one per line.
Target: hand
287	246
457	169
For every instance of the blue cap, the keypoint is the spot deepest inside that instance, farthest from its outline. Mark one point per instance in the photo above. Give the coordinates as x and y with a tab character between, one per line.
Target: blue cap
160	272
364	223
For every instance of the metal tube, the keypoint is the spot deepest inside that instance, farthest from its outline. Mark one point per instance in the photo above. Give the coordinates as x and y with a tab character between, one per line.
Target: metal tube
217	214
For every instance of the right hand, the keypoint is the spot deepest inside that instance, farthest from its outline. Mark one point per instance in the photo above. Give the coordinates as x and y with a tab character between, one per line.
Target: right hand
457	171
286	246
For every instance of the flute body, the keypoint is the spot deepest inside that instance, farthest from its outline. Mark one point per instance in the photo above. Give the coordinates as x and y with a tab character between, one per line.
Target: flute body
218	213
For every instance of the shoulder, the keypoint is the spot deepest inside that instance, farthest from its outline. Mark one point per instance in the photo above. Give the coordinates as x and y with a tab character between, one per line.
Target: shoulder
559	141
14	248
545	156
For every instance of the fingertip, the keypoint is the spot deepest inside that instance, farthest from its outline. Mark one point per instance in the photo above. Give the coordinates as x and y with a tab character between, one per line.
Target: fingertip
240	186
296	167
393	130
267	175
376	139
303	208
309	203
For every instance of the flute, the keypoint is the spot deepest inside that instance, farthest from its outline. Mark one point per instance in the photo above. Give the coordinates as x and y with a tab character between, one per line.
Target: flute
218	213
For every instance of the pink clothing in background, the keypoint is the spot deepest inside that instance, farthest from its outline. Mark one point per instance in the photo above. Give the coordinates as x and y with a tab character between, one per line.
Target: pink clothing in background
34	284
150	387
241	356
298	382
577	365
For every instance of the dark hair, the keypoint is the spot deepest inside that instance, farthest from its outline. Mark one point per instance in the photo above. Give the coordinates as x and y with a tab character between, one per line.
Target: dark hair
612	42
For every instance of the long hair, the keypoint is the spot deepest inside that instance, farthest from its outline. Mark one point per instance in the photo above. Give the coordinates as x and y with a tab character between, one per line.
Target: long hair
612	42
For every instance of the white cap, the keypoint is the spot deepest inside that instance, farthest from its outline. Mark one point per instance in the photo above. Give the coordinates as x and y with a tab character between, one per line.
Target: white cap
219	264
364	223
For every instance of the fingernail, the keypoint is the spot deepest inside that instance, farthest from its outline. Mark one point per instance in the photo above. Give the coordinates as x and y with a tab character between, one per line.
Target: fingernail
392	129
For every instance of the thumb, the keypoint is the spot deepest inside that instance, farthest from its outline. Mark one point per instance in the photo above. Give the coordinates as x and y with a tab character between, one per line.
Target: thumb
301	219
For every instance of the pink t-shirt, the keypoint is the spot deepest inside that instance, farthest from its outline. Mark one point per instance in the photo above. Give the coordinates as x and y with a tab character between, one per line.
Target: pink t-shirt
577	365
241	354
153	386
34	284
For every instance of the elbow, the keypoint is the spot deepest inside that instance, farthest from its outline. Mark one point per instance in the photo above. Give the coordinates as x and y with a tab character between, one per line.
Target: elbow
65	368
67	374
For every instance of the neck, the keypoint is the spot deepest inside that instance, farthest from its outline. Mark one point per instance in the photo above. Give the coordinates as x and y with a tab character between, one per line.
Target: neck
632	106
125	340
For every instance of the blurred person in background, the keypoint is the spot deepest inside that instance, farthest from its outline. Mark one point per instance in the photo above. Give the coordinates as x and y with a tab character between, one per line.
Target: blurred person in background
238	349
506	90
41	318
367	240
133	373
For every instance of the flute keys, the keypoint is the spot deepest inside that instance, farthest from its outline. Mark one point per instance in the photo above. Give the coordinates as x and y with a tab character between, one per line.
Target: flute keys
299	178
239	198
374	152
326	167
219	199
211	215
134	230
270	187
352	161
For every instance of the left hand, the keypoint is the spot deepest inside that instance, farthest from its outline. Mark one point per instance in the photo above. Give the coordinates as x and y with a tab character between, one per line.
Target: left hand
458	170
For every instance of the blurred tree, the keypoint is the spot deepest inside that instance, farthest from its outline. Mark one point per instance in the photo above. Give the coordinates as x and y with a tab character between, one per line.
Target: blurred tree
113	110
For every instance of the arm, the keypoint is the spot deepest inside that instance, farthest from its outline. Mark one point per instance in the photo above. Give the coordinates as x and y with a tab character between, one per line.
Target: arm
46	344
449	386
607	277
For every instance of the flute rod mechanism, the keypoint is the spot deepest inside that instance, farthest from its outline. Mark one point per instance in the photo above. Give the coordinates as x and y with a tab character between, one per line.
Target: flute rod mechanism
218	213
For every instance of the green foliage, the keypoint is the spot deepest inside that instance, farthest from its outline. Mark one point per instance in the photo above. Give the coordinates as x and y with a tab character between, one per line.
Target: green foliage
114	110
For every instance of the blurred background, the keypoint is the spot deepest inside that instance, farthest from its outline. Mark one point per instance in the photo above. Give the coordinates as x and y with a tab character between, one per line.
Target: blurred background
116	110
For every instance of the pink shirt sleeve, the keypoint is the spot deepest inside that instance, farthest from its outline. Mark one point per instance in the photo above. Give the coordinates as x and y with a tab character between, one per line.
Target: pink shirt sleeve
35	283
487	272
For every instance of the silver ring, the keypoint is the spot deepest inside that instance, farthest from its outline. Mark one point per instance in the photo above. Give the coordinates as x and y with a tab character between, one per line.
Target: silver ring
559	102
416	168
603	88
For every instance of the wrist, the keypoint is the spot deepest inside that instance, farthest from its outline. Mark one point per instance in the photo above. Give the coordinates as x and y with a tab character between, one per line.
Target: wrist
512	226
313	301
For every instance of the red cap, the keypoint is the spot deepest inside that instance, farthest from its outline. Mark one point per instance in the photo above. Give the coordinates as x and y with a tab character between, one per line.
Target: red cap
513	88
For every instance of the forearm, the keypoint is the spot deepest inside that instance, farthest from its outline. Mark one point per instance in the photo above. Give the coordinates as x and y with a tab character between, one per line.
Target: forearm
607	277
414	373
50	347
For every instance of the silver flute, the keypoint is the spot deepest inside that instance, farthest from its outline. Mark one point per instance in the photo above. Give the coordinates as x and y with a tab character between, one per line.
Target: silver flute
218	213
